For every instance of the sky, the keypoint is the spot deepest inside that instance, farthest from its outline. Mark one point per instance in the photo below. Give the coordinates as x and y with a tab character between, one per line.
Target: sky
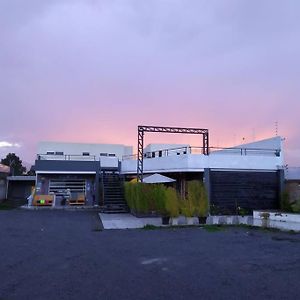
93	70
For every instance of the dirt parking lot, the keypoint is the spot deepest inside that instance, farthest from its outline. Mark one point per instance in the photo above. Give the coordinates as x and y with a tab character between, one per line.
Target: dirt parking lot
65	255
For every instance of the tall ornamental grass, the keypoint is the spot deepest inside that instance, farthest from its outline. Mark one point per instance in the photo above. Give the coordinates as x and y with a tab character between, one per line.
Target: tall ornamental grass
157	198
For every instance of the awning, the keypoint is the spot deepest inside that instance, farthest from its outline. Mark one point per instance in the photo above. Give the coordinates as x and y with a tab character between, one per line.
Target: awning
158	178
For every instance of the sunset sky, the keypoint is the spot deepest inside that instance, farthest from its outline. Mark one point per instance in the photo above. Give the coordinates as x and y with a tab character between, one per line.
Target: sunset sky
91	71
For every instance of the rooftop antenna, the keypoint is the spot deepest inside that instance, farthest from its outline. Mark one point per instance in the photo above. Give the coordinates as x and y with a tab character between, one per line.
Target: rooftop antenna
276	128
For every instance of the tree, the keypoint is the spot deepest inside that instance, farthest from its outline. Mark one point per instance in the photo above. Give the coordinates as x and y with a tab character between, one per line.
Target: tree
15	164
31	172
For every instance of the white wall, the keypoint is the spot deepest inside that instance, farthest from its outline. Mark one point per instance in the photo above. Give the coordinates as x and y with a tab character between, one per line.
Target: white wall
79	148
271	143
109	162
198	162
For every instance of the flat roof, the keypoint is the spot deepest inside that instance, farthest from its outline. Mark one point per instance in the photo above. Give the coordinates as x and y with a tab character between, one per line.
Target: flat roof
21	178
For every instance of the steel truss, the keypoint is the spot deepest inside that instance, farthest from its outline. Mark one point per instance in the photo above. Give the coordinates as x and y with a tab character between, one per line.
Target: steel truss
143	129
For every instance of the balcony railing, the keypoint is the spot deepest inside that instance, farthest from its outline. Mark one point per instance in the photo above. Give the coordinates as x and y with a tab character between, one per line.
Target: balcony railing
212	151
66	157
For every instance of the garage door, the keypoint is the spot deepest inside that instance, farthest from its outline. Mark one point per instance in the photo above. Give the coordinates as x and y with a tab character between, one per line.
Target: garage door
60	186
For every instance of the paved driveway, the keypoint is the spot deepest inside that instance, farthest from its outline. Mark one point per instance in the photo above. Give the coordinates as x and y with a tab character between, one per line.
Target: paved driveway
63	255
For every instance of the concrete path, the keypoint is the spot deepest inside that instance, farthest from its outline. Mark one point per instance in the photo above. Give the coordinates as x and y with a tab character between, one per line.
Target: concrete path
127	221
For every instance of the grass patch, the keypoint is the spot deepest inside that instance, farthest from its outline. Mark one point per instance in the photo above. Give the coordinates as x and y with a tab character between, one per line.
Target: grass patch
212	228
94	229
150	227
6	205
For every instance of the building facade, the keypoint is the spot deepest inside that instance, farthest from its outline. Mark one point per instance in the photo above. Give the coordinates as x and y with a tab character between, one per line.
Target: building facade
72	170
248	176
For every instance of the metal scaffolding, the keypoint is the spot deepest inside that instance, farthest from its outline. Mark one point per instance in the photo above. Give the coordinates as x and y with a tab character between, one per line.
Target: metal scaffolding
143	129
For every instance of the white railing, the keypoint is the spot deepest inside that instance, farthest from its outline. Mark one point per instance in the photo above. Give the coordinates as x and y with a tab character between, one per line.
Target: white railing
212	151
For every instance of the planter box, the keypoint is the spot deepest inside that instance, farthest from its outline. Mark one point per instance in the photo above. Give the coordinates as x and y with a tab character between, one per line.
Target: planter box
189	221
229	220
174	221
192	221
245	220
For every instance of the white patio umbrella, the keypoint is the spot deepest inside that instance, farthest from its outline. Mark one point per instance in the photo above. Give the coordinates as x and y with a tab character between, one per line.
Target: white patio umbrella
158	178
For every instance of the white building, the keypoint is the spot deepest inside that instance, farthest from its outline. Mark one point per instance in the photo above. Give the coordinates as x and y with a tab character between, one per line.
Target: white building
250	174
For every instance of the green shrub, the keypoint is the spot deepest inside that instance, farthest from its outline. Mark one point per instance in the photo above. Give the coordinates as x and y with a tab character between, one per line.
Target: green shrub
243	211
187	208
197	198
296	206
159	196
135	198
129	197
148	198
140	201
171	202
285	203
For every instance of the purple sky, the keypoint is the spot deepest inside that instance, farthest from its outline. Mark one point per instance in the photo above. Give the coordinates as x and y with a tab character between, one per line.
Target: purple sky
91	71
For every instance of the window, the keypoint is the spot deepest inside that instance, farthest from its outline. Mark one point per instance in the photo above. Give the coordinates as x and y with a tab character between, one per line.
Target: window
111	154
85	153
103	154
50	152
59	153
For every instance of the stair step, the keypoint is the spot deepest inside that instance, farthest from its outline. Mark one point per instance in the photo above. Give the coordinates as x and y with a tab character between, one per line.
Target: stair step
113	200
122	203
113	194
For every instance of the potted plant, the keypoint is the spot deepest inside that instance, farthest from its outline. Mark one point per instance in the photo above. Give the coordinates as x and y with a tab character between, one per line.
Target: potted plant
203	206
188	210
172	205
197	196
159	198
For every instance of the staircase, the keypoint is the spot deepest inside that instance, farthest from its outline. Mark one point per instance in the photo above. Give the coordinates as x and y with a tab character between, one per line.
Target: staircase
113	191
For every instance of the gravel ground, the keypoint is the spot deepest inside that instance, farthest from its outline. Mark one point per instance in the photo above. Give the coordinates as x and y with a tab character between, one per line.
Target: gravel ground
65	255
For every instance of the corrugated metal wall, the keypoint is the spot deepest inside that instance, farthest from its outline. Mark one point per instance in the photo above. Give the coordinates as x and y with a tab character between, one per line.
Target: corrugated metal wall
234	190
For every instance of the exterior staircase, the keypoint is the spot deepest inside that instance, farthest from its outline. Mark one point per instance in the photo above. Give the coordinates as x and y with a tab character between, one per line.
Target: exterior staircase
113	192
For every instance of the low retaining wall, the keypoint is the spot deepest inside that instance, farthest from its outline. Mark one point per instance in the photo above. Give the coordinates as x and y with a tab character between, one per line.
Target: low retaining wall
265	219
278	220
277	216
229	220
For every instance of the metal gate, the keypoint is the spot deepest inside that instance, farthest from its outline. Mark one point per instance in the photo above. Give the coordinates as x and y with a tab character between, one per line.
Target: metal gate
60	186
